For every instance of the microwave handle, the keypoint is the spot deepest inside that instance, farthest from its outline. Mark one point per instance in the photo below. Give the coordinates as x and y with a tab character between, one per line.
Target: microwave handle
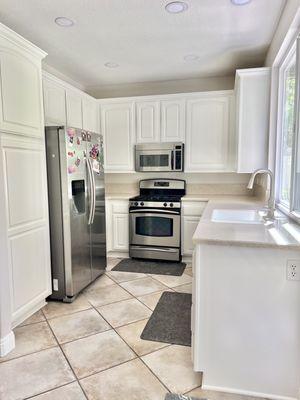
173	160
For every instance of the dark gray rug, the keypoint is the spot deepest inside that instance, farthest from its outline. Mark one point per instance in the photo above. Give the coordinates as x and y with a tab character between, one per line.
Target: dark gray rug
171	320
150	267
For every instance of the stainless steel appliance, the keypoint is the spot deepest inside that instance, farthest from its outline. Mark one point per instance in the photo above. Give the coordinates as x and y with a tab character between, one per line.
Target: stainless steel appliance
155	220
159	157
76	209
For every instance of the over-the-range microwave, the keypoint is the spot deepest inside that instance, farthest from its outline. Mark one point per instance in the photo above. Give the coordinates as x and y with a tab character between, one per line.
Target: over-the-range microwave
163	157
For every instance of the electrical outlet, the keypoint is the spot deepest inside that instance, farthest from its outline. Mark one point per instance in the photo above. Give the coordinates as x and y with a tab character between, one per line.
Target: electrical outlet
55	285
293	270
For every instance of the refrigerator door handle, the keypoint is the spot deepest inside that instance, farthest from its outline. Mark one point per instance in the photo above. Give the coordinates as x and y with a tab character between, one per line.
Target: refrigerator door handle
94	194
90	174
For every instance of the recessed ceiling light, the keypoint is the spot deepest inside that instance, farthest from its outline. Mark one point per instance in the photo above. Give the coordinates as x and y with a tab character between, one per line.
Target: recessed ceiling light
64	22
111	65
240	2
191	57
176	7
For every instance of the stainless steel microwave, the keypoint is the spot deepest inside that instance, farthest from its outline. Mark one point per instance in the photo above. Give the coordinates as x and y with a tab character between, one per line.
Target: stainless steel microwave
162	157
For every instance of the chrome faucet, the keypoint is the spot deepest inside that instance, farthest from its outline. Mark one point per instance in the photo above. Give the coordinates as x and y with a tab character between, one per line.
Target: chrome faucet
271	200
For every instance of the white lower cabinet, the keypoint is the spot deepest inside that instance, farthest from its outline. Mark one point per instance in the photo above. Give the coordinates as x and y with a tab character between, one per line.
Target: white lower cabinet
117	221
191	214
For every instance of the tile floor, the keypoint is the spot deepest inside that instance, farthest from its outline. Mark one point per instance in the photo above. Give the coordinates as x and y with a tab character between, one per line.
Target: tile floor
91	349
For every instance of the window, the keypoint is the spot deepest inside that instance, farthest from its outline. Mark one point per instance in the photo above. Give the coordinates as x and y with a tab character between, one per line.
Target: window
287	98
288	134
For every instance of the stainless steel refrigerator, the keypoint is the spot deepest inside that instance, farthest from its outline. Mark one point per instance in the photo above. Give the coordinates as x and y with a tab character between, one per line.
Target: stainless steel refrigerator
76	208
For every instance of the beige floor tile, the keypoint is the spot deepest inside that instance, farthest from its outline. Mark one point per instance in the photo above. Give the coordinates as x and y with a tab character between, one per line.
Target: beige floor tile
212	395
132	336
30	339
112	262
78	325
100	282
183	288
172	281
36	317
34	374
152	299
189	271
144	286
96	353
69	392
129	381
173	366
124	312
58	308
106	295
122	276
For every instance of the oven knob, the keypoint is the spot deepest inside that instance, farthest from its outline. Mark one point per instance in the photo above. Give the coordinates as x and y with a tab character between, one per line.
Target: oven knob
142	203
136	203
171	204
165	204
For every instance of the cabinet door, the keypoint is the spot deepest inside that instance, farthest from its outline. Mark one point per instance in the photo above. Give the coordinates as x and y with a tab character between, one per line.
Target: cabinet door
21	104
54	103
148	121
173	121
74	109
252	118
208	134
90	115
118	129
120	232
189	226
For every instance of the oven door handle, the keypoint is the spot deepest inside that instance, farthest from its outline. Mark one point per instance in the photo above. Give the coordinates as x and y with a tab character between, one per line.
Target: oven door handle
154	210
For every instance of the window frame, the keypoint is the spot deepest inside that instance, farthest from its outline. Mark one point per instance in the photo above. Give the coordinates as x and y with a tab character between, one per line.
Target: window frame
283	65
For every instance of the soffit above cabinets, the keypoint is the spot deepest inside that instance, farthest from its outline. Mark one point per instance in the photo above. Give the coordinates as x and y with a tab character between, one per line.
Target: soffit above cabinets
148	43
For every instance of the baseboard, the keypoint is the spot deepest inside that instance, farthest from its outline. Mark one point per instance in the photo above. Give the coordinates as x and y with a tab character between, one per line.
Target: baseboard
118	254
247	393
7	344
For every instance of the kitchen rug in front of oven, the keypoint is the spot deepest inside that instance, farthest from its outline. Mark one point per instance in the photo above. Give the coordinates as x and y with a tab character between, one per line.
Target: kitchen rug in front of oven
150	267
171	320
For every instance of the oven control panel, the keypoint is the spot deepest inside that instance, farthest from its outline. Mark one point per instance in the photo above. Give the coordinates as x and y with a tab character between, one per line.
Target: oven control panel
156	204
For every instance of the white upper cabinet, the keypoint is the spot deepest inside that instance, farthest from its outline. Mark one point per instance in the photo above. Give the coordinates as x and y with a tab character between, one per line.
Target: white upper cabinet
21	106
54	103
173	120
148	121
252	88
74	109
118	129
209	133
90	114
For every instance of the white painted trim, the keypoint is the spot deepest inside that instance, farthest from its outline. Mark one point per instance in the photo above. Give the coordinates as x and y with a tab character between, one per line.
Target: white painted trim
246	393
7	344
28	310
118	254
166	96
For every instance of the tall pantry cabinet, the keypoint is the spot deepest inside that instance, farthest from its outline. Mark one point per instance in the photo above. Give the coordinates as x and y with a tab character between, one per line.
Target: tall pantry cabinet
25	279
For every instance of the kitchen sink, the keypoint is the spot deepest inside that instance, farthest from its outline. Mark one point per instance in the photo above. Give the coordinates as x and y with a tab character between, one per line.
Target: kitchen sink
237	216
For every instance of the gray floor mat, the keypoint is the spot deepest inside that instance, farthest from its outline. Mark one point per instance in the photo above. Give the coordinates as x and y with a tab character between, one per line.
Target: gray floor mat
150	267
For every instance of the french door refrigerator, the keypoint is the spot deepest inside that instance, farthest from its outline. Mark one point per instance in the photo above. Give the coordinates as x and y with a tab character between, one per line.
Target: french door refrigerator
76	209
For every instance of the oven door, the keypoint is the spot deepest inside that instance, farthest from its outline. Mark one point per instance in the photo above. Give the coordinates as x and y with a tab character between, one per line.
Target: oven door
155	228
153	160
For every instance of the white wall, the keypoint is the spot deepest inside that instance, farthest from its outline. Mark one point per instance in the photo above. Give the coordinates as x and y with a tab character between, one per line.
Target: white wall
162	87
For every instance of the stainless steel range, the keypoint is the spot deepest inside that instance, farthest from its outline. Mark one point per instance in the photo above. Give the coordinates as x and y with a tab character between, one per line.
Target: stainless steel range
155	220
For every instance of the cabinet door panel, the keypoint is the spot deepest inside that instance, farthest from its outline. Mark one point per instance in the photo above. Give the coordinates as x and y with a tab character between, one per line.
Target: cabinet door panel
208	134
117	124
189	226
120	232
173	121
30	267
90	115
74	109
54	103
21	95
148	121
26	187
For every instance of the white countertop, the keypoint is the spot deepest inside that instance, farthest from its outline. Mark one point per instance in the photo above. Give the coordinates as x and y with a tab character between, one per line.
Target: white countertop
121	196
282	233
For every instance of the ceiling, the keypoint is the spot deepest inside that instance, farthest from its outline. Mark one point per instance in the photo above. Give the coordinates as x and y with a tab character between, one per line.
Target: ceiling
148	43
